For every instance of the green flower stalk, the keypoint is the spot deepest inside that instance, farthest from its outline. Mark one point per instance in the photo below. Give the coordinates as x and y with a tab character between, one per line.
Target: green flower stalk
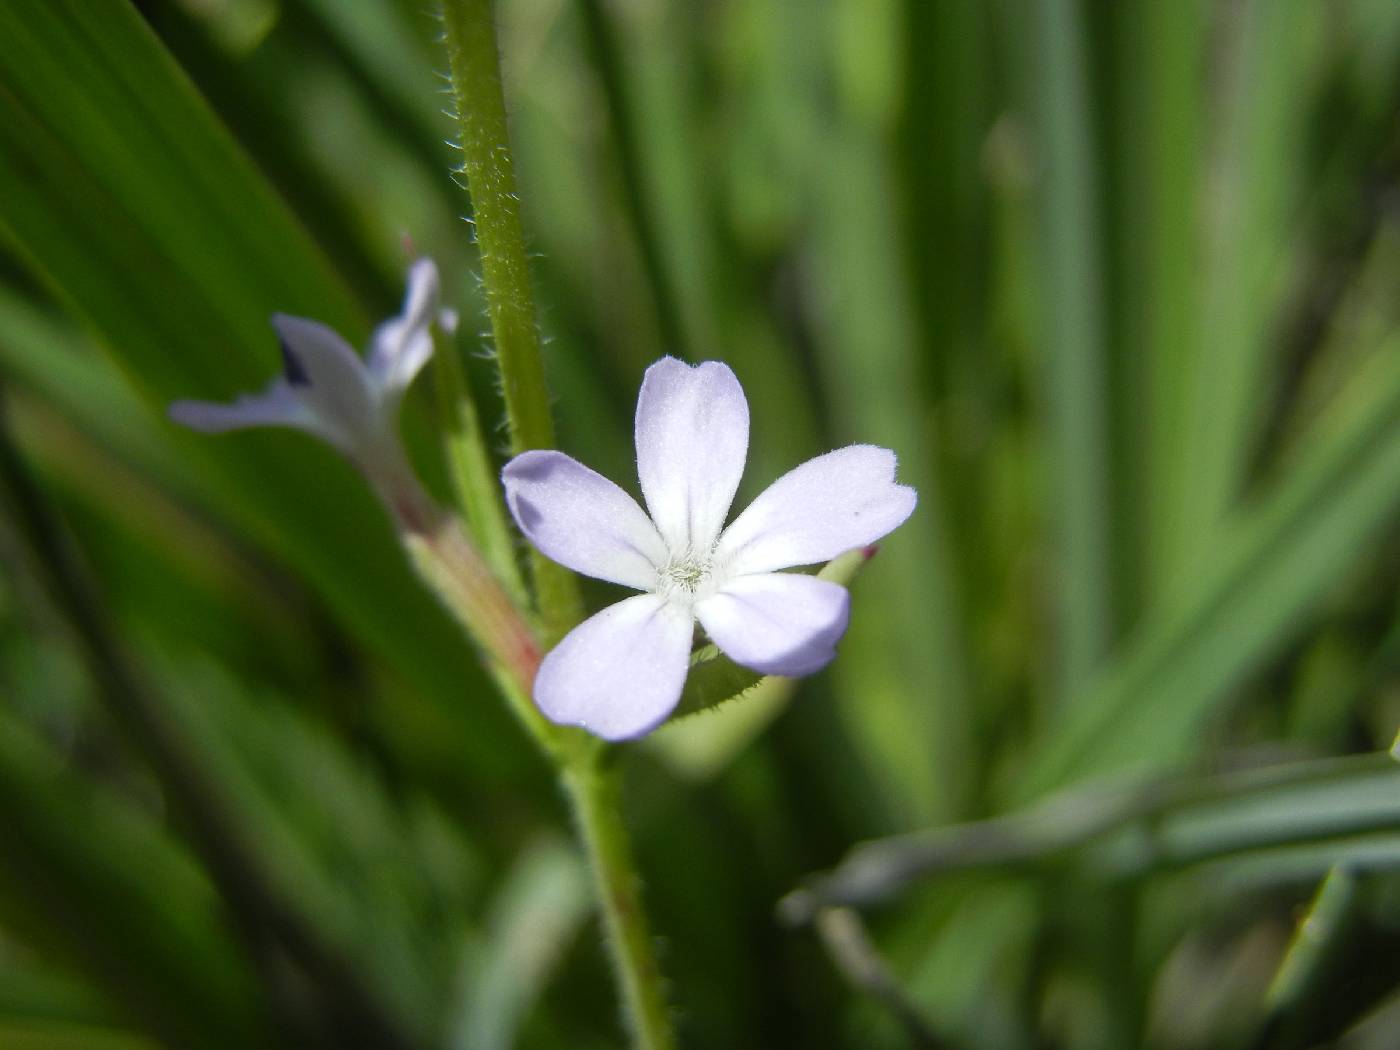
470	35
469	30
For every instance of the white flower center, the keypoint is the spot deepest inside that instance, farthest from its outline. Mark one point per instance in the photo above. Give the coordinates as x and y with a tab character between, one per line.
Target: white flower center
688	577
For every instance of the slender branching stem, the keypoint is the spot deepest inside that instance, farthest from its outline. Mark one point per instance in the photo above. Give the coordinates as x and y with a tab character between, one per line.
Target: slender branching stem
473	475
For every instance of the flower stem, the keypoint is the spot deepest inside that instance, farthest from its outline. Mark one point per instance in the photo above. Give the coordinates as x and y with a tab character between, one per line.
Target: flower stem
593	789
470	34
446	559
478	490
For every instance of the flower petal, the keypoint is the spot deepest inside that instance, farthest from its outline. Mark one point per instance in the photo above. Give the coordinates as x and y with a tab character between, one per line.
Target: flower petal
403	344
777	622
277	406
620	672
822	508
692	438
582	520
329	377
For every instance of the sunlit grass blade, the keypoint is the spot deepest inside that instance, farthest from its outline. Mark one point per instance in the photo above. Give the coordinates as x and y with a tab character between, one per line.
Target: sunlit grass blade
1075	385
46	354
1316	994
911	642
1258	590
1254	188
912	633
1158	229
607	62
542	903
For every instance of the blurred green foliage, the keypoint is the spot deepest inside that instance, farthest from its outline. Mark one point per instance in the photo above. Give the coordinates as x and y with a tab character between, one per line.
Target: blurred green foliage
1120	282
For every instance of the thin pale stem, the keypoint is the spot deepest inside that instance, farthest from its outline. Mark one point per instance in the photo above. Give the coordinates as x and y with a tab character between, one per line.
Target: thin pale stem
472	472
474	59
593	790
854	954
1048	834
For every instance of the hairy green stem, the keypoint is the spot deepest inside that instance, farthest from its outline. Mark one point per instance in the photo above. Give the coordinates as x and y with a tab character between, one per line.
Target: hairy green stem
474	60
593	789
470	34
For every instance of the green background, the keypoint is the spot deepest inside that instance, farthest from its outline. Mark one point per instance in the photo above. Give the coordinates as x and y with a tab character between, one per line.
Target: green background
1119	282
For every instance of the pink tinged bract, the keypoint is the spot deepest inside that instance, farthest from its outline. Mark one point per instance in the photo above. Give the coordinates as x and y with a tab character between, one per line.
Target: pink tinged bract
621	672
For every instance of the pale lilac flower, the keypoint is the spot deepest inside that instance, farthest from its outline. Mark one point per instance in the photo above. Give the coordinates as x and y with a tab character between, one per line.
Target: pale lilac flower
619	674
328	390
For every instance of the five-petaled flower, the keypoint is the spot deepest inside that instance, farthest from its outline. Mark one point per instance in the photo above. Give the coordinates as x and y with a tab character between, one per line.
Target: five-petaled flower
328	390
620	673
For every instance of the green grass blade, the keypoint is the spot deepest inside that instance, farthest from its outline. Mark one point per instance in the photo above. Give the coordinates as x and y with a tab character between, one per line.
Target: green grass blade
542	904
1075	384
912	634
1158	224
1129	830
1254	189
605	54
1257	591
